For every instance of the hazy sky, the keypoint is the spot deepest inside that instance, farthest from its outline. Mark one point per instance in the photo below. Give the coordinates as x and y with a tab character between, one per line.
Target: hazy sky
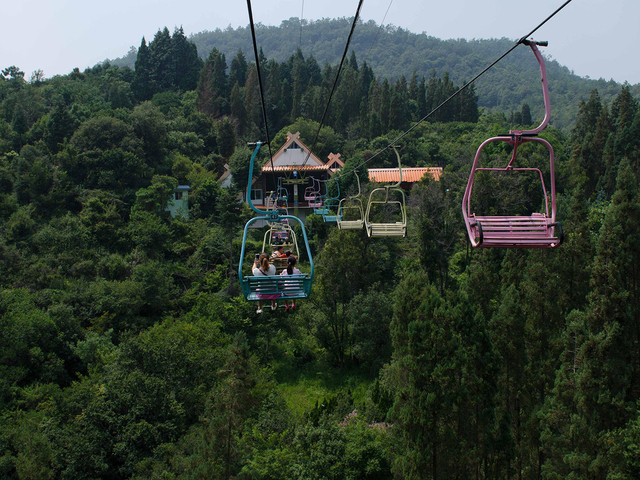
595	38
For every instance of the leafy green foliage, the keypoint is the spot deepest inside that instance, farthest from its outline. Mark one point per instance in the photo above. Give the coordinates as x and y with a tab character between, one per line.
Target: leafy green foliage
127	351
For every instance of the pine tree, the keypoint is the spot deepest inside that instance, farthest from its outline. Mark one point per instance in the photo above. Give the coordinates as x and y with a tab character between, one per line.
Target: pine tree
468	106
623	108
385	106
433	99
226	137
252	100
609	377
161	61
442	377
59	127
588	114
212	85
421	99
186	63
399	115
300	81
238	70
142	85
526	114
237	110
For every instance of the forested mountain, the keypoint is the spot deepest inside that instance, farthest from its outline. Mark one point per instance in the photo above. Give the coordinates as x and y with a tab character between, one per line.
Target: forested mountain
393	52
127	350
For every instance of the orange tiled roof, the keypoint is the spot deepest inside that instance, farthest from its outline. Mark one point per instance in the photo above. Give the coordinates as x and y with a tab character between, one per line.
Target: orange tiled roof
409	175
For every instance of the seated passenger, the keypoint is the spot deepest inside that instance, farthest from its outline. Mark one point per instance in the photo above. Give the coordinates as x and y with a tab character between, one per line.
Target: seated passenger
262	267
278	252
290	270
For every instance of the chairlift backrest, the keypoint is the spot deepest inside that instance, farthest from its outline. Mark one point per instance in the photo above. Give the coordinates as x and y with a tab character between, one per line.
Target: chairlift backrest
353	206
312	192
331	203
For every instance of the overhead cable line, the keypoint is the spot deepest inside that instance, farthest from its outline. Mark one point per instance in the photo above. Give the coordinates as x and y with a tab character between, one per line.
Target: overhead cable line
457	92
264	108
335	82
301	17
375	40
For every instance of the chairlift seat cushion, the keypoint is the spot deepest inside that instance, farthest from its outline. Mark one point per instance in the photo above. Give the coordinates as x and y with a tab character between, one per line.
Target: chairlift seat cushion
350	224
536	230
396	229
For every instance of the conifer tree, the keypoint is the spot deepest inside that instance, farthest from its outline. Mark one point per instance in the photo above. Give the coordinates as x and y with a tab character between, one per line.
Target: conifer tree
300	81
186	63
468	106
212	85
421	99
588	114
526	114
399	115
252	100
442	377
226	137
609	375
623	108
238	70
161	60
237	110
142	85
59	127
385	105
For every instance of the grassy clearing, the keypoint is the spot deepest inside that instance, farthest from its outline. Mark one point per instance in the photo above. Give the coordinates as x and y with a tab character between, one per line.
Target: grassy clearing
302	388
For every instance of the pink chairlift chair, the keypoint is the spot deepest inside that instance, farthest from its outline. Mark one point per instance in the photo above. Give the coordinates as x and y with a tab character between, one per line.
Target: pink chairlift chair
537	230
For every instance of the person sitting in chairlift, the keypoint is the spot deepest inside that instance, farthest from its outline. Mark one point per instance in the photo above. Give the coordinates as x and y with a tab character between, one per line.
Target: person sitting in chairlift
290	270
262	267
278	252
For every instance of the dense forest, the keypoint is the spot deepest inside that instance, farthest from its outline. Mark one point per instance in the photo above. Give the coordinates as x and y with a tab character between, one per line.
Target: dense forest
392	52
127	350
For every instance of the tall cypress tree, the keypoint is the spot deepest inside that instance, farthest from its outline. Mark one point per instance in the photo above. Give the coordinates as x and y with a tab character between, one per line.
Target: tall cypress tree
185	60
609	375
212	85
467	103
238	70
142	85
385	105
238	112
442	374
421	99
162	65
252	100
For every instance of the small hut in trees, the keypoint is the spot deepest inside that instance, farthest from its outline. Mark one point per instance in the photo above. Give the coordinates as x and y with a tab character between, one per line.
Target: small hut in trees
292	170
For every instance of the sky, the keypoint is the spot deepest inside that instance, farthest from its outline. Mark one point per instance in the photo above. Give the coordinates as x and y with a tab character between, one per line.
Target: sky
594	38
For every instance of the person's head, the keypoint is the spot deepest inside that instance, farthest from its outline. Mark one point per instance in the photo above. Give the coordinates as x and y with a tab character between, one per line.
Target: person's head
288	253
263	261
280	249
291	262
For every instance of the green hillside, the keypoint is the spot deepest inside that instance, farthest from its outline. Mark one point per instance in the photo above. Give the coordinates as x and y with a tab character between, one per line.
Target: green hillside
392	52
127	350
